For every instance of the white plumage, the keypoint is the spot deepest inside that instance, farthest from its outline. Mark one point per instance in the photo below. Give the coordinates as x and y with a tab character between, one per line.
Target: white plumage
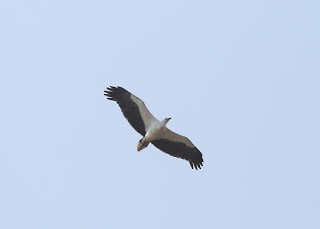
153	130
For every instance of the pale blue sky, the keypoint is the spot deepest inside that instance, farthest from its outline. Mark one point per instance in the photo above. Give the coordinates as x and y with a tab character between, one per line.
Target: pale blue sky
239	78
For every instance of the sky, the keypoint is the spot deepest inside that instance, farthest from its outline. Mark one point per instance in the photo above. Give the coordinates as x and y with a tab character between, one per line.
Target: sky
241	79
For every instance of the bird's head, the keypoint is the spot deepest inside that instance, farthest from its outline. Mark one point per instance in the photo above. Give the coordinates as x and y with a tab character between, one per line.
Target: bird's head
166	120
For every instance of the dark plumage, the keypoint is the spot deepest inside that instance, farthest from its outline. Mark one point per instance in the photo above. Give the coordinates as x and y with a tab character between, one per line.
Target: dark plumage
152	130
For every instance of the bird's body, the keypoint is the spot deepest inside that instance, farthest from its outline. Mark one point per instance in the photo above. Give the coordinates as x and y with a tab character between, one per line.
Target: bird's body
153	130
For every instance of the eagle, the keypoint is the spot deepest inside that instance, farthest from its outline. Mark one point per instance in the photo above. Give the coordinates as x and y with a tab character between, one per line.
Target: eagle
153	130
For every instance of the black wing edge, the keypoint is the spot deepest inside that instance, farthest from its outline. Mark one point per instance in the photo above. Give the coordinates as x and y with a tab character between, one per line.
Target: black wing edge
116	93
181	150
129	109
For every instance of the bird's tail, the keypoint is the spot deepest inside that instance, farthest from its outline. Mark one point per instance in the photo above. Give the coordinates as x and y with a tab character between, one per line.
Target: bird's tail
142	144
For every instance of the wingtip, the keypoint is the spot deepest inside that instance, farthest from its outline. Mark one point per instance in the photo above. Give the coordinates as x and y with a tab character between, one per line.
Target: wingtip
109	92
195	165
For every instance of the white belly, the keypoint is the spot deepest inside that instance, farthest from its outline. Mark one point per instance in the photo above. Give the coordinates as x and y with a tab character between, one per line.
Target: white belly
154	131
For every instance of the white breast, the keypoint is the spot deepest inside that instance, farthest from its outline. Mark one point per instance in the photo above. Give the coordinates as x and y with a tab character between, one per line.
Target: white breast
155	129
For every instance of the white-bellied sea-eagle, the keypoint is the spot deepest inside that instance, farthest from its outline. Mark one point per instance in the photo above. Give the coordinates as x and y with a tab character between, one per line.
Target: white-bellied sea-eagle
152	129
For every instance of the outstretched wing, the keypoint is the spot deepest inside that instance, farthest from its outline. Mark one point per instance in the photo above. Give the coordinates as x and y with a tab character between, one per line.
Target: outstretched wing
132	108
179	146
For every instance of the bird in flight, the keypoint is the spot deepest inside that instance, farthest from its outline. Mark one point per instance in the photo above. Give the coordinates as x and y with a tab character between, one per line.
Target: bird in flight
153	130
